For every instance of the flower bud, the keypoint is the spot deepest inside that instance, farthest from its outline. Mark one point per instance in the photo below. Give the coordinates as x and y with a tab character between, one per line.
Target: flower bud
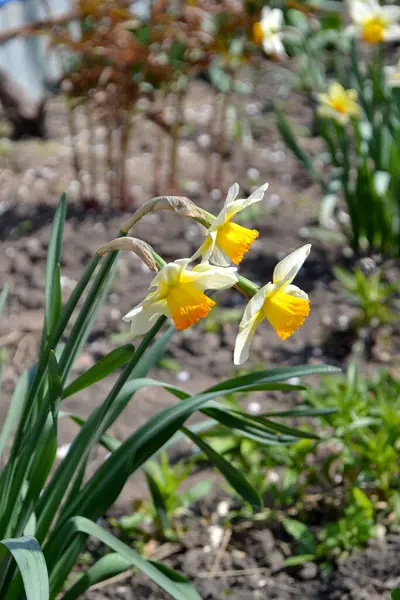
130	244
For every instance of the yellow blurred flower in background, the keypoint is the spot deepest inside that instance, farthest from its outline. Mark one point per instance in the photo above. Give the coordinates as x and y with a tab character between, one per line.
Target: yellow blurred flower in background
227	242
338	104
284	305
375	23
180	295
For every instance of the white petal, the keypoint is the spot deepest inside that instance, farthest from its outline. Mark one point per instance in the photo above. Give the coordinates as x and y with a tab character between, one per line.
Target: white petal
207	277
243	340
220	219
276	18
265	13
254	305
232	194
360	10
392	13
240	205
286	270
293	290
224	213
219	258
143	317
392	33
170	273
207	247
273	45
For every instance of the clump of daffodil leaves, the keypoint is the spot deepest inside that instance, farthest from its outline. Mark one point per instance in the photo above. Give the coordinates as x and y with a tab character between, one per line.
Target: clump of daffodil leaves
178	291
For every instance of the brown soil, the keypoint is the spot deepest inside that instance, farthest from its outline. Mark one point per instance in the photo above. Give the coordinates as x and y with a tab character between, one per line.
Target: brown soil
247	562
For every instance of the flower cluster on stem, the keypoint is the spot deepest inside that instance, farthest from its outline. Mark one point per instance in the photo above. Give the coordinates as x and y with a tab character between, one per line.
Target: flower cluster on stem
178	291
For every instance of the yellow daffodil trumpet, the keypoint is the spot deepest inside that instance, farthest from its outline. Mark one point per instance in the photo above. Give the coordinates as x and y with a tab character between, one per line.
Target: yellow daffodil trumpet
284	305
227	242
374	23
338	104
179	294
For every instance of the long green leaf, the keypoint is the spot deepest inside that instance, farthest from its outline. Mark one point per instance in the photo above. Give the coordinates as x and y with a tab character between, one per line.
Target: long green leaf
104	486
111	443
272	376
80	334
55	386
173	583
102	489
30	560
15	410
106	567
301	411
231	474
147	440
158	501
114	360
56	301
245	425
43	459
94	428
53	295
290	139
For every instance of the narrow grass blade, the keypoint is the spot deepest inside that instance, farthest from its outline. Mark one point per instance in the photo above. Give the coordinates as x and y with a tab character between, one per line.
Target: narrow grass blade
55	386
290	139
15	410
231	474
172	582
107	365
56	301
158	501
53	259
301	411
88	314
271	376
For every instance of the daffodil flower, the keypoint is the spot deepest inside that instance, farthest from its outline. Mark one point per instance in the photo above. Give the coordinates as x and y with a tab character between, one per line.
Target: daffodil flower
227	242
268	32
338	104
284	305
179	294
375	23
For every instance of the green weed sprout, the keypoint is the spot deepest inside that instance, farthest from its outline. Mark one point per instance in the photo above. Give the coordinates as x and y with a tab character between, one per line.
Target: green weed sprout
377	301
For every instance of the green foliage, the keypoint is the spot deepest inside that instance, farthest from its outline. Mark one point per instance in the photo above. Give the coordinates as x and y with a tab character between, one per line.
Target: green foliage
376	299
167	500
352	530
314	47
350	473
47	511
366	427
361	158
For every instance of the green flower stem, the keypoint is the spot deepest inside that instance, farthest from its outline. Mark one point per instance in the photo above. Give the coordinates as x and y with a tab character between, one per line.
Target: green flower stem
247	287
208	218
